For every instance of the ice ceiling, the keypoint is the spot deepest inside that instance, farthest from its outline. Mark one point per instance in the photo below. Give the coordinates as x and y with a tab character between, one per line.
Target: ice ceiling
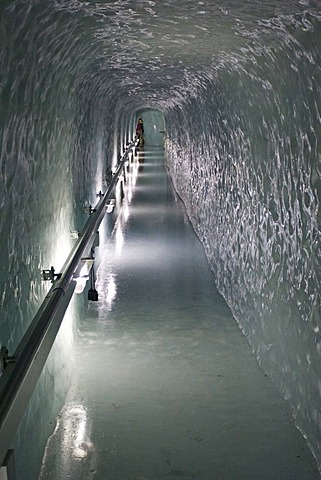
152	48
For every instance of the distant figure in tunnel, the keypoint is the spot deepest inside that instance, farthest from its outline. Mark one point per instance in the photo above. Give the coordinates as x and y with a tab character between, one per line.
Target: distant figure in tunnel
140	132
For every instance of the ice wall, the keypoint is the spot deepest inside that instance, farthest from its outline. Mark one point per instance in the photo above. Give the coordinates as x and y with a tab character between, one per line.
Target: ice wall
53	154
245	158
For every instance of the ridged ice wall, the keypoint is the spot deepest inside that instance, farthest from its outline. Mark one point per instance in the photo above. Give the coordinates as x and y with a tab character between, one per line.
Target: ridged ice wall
53	160
245	157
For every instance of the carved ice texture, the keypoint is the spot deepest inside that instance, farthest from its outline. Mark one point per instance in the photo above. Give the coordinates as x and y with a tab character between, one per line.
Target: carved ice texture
239	86
245	158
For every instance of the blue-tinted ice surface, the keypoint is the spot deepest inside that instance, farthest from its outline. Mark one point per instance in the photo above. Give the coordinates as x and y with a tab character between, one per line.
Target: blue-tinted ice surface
239	86
166	384
250	180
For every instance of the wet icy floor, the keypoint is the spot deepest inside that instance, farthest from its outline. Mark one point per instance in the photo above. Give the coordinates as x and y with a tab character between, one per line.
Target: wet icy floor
166	385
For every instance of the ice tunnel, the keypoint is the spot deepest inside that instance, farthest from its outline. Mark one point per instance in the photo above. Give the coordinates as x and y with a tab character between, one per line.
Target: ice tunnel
233	90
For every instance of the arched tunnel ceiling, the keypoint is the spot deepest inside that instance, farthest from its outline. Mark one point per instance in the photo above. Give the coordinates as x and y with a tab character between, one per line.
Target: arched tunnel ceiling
157	49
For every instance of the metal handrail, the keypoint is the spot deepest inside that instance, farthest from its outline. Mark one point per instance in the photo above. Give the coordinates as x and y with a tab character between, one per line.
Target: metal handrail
20	376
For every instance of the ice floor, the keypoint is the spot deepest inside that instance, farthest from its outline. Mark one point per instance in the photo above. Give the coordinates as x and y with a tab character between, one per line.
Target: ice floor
166	385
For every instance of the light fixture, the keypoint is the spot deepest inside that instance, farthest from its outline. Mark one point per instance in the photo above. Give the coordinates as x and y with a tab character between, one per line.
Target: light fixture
111	205
82	277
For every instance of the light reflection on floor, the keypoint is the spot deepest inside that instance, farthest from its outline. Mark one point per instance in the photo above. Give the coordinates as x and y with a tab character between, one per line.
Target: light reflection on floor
166	385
